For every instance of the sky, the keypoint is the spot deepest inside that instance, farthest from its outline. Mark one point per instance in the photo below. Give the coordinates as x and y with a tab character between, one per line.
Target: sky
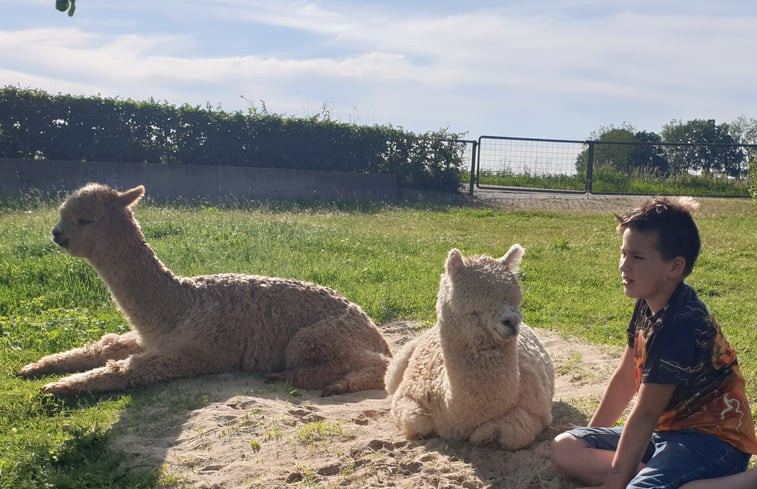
560	69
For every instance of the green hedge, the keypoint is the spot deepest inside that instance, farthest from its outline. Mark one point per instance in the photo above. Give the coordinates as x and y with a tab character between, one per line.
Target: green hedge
35	124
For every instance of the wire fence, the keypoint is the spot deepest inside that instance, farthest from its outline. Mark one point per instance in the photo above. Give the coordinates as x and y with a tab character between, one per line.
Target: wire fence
608	167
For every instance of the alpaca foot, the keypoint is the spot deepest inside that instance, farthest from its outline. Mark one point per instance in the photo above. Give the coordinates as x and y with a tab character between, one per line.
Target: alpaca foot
32	370
511	432
41	367
110	378
334	389
59	389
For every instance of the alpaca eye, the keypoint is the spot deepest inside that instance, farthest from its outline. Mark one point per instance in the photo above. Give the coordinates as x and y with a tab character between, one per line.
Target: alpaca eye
84	222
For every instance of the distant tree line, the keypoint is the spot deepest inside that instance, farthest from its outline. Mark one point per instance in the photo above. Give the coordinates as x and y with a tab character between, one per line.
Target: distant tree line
696	146
37	125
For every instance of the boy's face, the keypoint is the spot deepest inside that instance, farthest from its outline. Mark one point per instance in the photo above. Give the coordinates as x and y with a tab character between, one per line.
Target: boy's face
645	274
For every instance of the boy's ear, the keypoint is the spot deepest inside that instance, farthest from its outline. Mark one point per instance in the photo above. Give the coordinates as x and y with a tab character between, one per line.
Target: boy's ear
678	266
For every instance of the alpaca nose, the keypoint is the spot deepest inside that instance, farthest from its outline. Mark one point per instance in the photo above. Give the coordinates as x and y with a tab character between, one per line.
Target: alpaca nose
511	322
58	237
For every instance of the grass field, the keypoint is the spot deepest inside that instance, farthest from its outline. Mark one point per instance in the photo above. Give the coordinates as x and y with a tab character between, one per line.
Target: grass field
386	258
613	182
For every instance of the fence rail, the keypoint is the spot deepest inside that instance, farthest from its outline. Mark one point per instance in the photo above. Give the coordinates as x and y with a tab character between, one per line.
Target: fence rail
612	167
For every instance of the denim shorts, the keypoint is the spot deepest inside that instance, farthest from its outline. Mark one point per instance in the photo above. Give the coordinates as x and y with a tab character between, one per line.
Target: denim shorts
673	458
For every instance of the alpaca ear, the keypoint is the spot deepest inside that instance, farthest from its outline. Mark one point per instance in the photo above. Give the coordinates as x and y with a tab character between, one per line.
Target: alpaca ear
454	261
130	197
513	257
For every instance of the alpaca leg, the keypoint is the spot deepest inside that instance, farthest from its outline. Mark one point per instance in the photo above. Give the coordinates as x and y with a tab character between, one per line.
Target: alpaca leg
513	431
332	379
414	421
369	377
331	355
141	369
109	347
329	378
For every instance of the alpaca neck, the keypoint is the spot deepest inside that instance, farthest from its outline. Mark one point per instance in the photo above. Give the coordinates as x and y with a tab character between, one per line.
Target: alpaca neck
469	361
145	290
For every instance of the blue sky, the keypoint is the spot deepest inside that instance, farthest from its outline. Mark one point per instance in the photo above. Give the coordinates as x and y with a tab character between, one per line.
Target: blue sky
528	68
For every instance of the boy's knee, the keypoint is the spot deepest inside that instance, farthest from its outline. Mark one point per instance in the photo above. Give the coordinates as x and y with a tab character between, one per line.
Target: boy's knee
563	451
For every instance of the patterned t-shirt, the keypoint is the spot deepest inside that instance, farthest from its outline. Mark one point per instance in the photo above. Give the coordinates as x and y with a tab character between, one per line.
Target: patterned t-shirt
683	345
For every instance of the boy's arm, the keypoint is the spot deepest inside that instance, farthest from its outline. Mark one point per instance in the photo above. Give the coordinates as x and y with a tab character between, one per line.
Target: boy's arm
650	404
618	394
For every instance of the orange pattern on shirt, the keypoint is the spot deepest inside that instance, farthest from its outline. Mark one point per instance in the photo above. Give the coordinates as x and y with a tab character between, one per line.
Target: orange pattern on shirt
721	409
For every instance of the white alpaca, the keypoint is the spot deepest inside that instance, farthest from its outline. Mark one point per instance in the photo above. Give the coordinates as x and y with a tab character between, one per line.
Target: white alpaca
480	373
298	332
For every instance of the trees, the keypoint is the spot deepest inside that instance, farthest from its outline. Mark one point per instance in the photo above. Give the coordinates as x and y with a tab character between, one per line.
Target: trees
649	158
617	149
696	146
709	148
744	130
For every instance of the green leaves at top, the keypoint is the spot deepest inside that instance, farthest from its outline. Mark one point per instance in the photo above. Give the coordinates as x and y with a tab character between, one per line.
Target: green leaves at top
63	5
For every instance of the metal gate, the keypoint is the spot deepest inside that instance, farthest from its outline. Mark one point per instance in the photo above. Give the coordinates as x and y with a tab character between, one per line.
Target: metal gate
529	164
611	167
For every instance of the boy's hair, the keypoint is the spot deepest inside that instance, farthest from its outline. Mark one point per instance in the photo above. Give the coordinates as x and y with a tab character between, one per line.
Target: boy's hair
670	218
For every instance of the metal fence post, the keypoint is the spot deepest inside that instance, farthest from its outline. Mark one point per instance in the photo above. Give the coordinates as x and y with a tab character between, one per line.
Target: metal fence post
472	167
590	167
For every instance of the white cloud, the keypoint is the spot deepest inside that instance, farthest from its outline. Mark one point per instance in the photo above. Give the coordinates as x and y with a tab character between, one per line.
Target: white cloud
474	68
623	53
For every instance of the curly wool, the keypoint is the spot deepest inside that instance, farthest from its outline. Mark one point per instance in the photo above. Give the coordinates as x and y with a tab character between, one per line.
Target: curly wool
298	332
480	373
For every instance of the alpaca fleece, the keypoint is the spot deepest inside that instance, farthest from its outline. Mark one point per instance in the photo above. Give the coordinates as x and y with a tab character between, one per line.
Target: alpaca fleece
480	373
302	333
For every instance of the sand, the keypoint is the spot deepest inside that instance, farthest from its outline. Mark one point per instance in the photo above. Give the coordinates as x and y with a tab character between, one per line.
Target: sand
237	431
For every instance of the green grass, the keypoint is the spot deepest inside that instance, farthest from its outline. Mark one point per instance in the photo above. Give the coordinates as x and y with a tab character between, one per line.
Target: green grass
612	182
386	258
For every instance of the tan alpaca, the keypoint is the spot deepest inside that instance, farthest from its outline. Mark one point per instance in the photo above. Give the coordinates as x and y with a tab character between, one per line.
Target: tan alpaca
480	373
298	332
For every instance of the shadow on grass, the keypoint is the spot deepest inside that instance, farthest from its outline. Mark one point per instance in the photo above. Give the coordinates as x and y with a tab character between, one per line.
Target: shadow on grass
66	448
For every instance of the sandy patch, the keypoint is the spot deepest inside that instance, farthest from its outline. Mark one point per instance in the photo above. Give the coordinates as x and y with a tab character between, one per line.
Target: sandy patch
236	431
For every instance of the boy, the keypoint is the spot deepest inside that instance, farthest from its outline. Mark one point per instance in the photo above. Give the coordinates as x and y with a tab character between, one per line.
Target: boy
691	419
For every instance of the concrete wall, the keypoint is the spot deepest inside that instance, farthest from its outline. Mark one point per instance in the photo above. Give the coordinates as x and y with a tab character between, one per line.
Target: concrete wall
192	182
